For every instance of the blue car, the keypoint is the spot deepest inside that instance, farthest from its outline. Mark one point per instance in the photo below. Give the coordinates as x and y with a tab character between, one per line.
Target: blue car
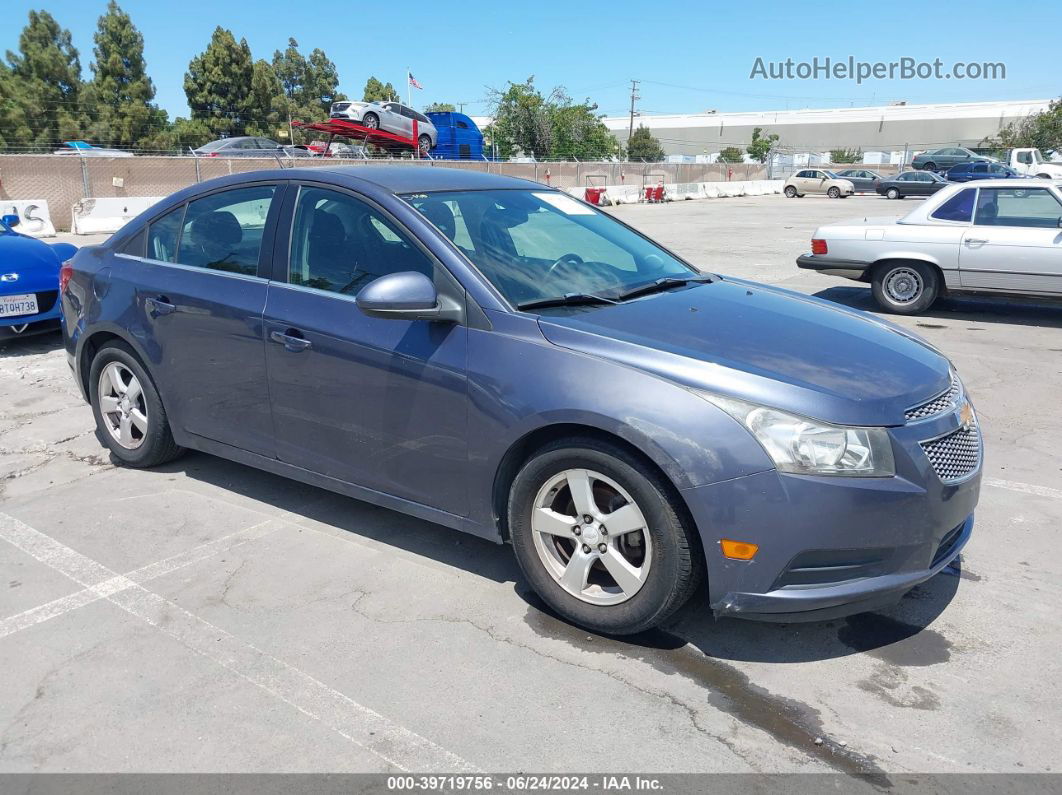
29	281
968	172
500	358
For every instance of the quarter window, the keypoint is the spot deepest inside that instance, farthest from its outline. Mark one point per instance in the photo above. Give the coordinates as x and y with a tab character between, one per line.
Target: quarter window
224	231
164	234
1035	207
340	244
958	208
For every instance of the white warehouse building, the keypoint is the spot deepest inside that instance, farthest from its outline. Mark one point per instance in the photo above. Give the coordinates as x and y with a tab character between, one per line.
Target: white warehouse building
887	131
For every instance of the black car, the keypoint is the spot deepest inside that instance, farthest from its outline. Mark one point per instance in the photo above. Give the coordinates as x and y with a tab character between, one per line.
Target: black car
911	183
862	179
248	146
943	159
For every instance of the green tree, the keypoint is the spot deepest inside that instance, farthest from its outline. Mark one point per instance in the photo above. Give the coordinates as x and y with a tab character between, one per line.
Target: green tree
643	146
268	104
310	85
439	107
15	130
1042	131
762	145
188	134
578	131
846	155
522	120
731	154
375	91
218	85
118	100
47	71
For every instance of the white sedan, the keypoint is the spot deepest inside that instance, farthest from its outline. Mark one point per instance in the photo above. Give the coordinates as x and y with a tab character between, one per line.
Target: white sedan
998	235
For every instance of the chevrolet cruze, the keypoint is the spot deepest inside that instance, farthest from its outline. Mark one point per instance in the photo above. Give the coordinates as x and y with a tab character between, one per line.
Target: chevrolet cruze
497	357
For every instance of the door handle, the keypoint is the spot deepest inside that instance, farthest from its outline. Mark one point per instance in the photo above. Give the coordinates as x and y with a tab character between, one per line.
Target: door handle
161	306
292	340
975	241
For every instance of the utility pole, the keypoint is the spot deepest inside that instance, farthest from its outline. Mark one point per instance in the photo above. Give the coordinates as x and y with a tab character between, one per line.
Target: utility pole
461	106
634	98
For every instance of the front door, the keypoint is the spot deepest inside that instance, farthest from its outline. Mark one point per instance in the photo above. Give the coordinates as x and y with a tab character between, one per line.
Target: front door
1015	242
199	301
381	403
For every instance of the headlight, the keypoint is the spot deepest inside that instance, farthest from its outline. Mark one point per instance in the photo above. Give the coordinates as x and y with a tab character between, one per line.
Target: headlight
809	447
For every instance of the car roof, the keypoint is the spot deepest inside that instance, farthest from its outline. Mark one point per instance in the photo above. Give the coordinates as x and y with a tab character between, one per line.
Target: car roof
425	179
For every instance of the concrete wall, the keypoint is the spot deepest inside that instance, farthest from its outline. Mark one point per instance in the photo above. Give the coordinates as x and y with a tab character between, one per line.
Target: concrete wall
63	180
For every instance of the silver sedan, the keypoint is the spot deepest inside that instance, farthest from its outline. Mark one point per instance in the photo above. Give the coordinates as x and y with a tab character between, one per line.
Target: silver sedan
998	235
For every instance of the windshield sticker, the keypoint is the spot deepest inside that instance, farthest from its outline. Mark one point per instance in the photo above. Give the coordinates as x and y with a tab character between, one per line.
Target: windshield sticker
566	204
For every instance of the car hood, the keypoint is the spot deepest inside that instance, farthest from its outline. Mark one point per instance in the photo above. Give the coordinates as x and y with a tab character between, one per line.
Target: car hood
765	345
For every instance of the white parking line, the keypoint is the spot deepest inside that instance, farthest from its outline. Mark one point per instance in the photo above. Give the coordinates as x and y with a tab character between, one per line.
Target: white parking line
395	744
1024	488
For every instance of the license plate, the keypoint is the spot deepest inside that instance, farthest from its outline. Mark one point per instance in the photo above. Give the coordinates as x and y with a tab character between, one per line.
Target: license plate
12	305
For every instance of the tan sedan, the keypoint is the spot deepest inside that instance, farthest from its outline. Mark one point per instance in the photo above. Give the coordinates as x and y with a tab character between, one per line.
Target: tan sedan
818	180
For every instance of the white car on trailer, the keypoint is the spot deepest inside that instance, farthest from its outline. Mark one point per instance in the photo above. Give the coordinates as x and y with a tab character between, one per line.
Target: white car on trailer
1001	236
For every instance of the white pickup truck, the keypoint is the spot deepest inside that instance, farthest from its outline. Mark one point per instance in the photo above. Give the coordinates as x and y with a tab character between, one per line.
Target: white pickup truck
1031	163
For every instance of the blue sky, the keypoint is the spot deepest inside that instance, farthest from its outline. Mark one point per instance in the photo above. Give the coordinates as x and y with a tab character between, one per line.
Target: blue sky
689	57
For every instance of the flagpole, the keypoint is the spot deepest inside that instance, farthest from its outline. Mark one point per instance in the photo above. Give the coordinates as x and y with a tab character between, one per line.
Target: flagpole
409	92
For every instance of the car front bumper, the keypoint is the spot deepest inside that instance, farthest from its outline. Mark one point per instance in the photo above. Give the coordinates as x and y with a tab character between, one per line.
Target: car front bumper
832	546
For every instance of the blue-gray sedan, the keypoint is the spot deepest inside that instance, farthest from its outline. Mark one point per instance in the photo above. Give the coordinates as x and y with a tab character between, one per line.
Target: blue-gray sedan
497	357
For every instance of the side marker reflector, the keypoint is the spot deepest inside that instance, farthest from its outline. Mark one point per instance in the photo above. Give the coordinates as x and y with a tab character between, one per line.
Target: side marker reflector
739	550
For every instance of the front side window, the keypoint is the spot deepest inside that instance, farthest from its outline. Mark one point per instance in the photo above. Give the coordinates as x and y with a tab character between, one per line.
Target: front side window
340	244
224	231
958	208
164	234
544	245
1030	207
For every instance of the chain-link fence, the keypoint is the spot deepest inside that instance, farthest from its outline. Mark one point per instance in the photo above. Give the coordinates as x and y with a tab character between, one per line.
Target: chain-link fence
63	180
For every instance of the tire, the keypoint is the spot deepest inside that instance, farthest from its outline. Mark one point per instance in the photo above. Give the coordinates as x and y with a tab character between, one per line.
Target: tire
893	193
148	442
664	555
790	192
370	120
424	143
834	192
929	167
905	288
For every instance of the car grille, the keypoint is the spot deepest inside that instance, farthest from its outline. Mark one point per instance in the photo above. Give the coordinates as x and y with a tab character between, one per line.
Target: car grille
956	455
945	401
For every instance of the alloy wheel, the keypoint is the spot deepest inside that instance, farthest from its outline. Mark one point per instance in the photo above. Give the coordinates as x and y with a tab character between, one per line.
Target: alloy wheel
591	536
122	405
903	285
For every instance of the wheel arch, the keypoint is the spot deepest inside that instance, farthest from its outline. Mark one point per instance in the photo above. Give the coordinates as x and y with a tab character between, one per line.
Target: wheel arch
521	450
896	259
88	347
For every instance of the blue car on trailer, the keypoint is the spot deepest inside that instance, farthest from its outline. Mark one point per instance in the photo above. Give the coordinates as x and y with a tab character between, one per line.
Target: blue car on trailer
459	137
29	281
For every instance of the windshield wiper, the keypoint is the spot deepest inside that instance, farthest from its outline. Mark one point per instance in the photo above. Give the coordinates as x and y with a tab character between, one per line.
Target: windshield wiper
571	299
664	283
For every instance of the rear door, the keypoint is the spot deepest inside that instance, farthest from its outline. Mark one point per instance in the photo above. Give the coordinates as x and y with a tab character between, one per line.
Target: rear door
378	402
200	293
1015	242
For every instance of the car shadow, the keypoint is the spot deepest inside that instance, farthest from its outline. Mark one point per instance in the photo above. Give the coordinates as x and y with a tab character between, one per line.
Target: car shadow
900	634
30	344
1017	311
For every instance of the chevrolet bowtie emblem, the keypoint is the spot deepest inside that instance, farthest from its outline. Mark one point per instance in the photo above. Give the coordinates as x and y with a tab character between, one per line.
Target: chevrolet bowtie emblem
966	416
9	277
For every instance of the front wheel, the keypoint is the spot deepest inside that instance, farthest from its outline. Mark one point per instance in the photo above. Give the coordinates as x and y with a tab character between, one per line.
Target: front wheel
598	538
790	191
905	288
370	120
130	419
834	192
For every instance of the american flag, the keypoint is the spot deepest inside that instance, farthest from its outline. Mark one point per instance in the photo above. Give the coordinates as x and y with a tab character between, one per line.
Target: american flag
413	81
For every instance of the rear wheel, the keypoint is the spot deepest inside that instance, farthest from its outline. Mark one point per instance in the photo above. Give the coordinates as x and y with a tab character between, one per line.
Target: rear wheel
130	419
596	535
906	288
425	144
370	120
929	167
790	191
893	193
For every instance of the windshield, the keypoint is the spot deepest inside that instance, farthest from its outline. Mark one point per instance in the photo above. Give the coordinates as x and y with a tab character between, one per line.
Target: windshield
542	245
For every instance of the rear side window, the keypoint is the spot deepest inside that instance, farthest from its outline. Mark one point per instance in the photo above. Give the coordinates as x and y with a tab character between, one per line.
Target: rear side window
224	231
958	208
164	234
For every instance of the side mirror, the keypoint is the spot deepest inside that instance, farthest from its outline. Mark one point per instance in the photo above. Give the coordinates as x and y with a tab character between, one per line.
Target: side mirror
407	295
9	222
1059	224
